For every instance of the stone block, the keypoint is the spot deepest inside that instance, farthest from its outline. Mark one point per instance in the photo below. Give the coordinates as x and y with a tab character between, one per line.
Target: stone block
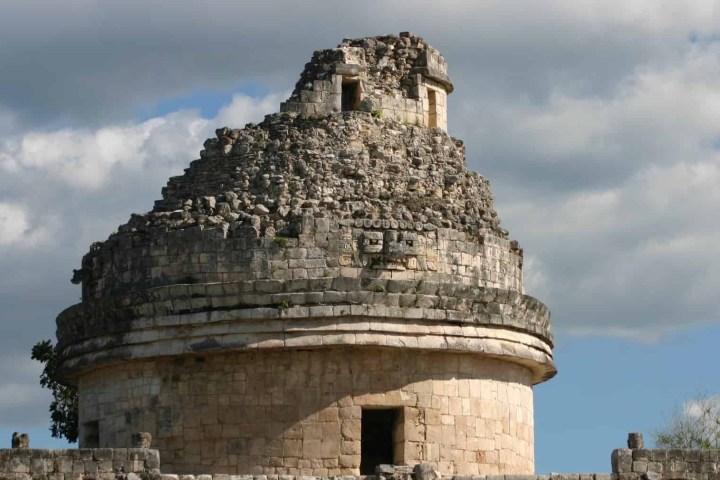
63	465
269	286
40	466
318	449
621	460
102	454
692	455
152	459
641	454
426	471
676	466
658	455
709	455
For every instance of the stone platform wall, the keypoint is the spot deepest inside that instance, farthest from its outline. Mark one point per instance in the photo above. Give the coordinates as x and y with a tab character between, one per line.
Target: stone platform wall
75	464
143	464
554	476
299	412
666	464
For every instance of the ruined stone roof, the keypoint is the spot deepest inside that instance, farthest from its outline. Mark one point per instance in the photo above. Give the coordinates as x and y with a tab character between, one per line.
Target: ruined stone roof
349	166
280	212
389	60
398	77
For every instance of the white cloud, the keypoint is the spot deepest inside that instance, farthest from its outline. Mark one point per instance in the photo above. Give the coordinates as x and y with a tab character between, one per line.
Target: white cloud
597	122
14	395
701	406
13	223
16	228
534	277
23	367
86	158
613	196
243	109
643	253
83	158
657	114
23	401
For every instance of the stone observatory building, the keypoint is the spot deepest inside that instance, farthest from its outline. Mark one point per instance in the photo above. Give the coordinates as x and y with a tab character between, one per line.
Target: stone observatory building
320	293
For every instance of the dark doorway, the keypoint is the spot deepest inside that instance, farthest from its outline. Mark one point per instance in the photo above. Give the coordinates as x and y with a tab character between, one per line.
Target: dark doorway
350	96
376	439
90	432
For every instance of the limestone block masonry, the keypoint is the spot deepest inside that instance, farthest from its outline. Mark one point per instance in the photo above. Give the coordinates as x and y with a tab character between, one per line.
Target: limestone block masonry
71	464
398	77
666	463
318	293
635	463
303	409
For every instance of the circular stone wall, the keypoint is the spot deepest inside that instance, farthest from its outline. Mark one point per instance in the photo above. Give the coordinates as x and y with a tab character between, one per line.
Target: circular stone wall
301	273
299	411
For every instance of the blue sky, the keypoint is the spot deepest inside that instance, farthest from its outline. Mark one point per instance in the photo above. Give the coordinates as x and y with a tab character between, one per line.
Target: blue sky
597	123
607	388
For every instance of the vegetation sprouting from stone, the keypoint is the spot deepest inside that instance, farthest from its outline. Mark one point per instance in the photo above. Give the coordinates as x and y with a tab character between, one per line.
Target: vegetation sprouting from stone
281	242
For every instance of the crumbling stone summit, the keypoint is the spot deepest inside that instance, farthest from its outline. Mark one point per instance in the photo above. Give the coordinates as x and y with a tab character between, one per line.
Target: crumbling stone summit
320	293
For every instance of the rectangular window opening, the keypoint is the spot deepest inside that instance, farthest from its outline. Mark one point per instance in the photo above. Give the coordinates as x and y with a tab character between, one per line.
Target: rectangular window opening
90	434
432	103
350	95
378	437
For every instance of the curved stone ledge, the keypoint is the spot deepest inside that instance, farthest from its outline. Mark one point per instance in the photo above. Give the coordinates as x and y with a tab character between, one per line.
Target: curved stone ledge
323	297
234	330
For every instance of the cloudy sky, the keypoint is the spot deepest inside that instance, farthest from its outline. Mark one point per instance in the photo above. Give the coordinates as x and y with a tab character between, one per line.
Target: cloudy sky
597	122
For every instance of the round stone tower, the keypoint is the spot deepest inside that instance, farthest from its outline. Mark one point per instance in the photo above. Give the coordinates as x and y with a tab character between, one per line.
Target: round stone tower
319	293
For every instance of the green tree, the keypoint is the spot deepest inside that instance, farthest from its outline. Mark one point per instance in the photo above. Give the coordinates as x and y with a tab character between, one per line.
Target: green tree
64	407
696	424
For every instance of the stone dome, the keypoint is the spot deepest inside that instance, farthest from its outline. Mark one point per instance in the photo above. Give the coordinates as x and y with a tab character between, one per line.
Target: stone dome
306	272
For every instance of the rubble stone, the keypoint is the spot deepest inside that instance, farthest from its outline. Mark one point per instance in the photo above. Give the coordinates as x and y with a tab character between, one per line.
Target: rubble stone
20	440
337	255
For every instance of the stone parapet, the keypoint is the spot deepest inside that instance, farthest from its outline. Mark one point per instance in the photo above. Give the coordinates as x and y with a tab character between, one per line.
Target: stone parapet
143	464
73	464
666	464
554	476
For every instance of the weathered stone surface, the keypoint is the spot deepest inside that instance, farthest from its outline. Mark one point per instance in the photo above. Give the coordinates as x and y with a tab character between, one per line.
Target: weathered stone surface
336	257
398	77
141	440
20	440
654	464
424	471
635	440
101	464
